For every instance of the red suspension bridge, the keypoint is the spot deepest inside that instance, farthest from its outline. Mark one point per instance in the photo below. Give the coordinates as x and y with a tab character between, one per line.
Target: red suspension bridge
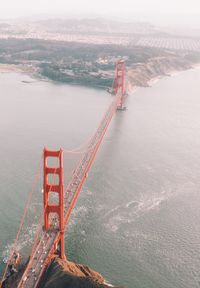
56	215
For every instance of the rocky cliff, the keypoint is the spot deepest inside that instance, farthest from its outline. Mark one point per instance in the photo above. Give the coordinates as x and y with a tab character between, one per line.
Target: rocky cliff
141	74
66	274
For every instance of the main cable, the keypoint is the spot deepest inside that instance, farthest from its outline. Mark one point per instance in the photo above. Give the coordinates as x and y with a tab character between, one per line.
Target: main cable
36	178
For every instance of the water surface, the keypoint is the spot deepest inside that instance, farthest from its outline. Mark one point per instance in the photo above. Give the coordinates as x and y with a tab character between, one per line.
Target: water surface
137	218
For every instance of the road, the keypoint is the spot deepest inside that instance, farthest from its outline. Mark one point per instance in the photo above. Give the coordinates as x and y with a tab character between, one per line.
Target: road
46	246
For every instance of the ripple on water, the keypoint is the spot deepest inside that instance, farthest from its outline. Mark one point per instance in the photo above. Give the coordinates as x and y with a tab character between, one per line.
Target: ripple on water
129	212
26	240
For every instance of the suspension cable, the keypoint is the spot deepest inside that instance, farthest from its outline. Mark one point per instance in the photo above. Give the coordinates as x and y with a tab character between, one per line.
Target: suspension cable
38	231
36	178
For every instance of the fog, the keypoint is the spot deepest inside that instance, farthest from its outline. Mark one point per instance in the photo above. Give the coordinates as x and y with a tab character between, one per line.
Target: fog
183	13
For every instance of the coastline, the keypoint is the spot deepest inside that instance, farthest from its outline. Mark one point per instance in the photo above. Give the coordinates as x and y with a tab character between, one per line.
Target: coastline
151	82
9	68
173	73
13	68
131	86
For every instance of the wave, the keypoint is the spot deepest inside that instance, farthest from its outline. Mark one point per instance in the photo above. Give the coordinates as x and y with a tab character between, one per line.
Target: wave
108	284
26	240
132	210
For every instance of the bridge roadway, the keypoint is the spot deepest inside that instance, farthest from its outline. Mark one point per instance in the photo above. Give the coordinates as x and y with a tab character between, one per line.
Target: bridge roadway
46	246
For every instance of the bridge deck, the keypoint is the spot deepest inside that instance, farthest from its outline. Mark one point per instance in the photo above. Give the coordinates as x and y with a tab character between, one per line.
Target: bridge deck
45	247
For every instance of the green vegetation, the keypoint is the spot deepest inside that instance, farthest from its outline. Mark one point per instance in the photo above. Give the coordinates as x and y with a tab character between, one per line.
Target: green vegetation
77	63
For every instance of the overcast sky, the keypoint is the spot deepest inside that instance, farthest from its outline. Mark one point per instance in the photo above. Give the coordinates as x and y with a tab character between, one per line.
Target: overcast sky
125	9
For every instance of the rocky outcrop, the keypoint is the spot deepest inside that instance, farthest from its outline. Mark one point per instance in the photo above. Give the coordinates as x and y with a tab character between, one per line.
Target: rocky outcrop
66	274
141	74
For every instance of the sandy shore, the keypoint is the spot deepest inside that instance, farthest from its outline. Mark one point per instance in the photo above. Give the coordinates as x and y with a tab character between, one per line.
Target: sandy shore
171	74
7	68
197	65
153	81
11	68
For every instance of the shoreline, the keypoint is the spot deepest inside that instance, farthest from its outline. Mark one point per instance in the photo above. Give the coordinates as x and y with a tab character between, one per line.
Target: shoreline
156	79
9	68
13	68
174	73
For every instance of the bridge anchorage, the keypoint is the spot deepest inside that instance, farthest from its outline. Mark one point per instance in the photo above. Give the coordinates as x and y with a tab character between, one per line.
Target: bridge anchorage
56	213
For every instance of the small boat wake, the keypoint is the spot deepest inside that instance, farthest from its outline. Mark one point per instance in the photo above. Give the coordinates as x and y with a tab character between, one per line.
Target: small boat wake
131	211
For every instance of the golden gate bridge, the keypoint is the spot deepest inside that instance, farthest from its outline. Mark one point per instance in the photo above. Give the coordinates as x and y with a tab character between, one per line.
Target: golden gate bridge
56	215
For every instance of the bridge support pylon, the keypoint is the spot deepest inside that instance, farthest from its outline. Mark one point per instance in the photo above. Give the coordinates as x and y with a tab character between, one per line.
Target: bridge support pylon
53	183
119	83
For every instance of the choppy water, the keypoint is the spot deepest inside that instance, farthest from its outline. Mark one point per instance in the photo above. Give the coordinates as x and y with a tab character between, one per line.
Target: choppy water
137	220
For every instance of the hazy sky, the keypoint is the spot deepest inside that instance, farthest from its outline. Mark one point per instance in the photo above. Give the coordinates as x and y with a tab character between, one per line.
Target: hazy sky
124	9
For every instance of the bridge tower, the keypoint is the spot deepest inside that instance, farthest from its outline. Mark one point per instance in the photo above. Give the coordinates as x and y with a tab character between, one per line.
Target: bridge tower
52	184
119	85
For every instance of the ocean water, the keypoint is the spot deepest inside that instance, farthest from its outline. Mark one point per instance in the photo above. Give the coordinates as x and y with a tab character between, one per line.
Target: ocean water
137	220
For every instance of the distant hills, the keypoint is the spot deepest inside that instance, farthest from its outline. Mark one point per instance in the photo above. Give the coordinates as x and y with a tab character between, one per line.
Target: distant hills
97	25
